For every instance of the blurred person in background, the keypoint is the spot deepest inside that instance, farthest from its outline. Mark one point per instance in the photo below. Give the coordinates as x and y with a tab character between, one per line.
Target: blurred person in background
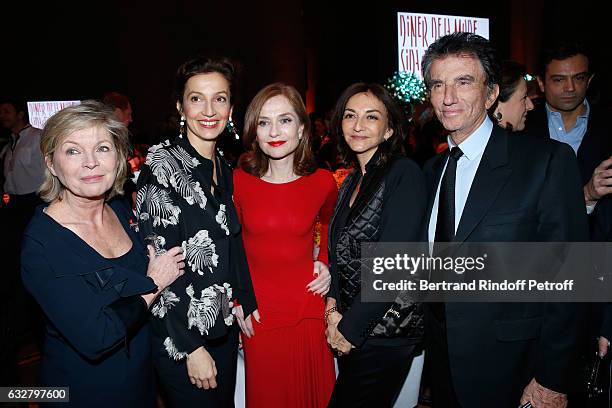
513	103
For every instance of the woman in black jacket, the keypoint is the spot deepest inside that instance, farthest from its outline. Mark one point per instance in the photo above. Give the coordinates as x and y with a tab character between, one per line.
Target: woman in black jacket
382	200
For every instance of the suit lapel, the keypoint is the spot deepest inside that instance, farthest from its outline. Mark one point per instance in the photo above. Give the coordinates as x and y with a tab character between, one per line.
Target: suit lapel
490	178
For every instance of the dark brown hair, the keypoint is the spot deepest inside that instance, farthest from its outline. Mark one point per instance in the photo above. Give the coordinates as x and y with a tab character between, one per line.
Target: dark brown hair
255	162
511	74
203	65
395	116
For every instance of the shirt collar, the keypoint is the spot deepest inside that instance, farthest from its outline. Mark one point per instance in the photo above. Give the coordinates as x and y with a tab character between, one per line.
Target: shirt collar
585	115
475	144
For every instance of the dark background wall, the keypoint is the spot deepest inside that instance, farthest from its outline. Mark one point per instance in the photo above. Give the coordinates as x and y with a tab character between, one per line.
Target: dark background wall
64	51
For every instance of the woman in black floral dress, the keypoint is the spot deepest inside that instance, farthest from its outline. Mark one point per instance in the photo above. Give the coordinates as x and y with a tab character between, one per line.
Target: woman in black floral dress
185	198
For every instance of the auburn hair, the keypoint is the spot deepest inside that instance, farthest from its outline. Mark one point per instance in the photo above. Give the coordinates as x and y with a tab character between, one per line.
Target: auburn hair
254	161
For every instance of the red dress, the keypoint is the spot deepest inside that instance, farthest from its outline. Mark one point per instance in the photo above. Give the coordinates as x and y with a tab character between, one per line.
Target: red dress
287	362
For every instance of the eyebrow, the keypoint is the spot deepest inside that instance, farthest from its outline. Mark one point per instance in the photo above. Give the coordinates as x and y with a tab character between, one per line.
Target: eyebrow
78	144
281	114
367	111
466	77
68	141
200	93
573	76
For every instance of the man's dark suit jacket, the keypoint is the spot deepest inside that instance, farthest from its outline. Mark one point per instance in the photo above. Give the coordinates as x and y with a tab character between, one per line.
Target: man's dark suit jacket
525	190
596	145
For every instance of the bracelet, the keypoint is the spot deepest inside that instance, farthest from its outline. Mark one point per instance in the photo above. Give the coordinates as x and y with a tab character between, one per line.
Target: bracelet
330	311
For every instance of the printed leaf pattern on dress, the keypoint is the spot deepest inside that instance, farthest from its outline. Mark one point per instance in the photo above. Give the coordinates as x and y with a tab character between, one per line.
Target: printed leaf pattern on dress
160	166
200	252
185	159
166	301
166	168
227	306
221	219
172	350
158	204
202	313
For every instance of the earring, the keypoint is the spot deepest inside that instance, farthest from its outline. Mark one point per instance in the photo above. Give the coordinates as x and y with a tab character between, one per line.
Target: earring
232	128
182	126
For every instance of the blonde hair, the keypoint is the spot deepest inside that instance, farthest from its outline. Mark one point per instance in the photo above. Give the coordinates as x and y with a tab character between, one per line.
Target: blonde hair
88	114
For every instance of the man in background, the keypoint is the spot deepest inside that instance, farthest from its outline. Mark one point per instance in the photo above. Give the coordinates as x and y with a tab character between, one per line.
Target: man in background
567	115
24	169
121	105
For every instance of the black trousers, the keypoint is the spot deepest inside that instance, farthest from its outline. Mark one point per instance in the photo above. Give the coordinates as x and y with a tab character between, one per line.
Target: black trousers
442	389
373	375
176	388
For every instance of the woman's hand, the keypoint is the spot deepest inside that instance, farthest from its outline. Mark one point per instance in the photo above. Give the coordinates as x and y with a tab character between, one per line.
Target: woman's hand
201	369
333	318
165	268
332	315
335	339
246	325
320	285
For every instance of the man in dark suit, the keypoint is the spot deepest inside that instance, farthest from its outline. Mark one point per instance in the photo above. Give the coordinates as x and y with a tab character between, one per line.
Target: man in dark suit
568	117
492	187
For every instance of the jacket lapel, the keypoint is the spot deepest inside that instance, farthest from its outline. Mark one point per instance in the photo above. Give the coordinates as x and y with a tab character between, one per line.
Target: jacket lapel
490	178
370	183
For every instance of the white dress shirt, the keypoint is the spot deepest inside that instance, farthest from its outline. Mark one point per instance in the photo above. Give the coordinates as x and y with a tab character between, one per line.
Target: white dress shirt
473	147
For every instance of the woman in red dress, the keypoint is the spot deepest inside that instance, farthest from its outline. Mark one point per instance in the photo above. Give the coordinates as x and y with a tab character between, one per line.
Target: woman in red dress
280	195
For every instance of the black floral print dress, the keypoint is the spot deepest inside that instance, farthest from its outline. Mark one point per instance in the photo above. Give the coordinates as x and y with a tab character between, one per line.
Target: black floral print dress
176	207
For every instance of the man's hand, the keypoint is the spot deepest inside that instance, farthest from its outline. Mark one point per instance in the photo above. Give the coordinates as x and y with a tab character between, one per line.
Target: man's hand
542	397
600	183
201	369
